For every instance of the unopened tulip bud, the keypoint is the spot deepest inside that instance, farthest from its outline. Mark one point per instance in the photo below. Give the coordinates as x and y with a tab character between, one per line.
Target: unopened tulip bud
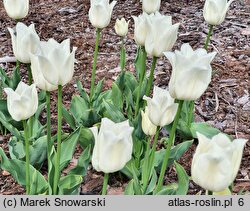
151	6
147	126
215	11
16	9
121	27
100	13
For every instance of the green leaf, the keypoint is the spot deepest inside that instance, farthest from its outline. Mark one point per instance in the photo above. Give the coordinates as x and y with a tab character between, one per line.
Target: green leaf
112	112
98	90
82	91
183	180
129	190
9	126
68	118
86	137
80	110
70	185
38	184
204	128
68	148
176	153
117	97
16	148
168	190
152	183
130	169
83	163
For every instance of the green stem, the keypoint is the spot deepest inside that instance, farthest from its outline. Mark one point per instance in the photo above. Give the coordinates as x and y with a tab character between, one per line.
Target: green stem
209	192
92	88
151	159
123	56
49	145
151	76
191	113
168	150
30	78
59	134
105	183
208	36
145	166
18	64
27	176
142	76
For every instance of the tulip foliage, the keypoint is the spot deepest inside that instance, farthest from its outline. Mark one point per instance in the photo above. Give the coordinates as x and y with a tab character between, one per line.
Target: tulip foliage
119	129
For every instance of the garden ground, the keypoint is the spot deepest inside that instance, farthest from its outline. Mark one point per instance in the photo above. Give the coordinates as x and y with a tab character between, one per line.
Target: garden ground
226	103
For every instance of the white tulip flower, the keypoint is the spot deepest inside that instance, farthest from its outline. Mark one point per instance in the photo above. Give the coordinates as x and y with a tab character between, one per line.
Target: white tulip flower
141	29
16	9
215	11
24	41
151	6
161	34
216	161
121	27
161	108
56	63
113	146
191	72
147	126
23	102
38	77
100	13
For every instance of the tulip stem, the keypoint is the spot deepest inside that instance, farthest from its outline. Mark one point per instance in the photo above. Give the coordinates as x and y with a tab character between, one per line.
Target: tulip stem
27	176
209	192
123	56
151	76
208	36
145	166
92	88
59	134
105	183
168	150
18	64
29	74
49	143
191	113
151	158
143	70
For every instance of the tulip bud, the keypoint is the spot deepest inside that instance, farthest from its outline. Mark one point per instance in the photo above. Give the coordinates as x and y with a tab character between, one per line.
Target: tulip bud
56	63
161	34
141	29
16	9
113	146
215	11
100	13
151	6
23	102
121	27
147	126
216	162
191	72
24	41
161	108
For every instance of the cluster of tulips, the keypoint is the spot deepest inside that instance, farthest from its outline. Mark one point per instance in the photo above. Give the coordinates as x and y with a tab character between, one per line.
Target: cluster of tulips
51	66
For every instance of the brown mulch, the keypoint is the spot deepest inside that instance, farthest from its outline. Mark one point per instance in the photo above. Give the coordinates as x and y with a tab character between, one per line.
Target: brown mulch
226	103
